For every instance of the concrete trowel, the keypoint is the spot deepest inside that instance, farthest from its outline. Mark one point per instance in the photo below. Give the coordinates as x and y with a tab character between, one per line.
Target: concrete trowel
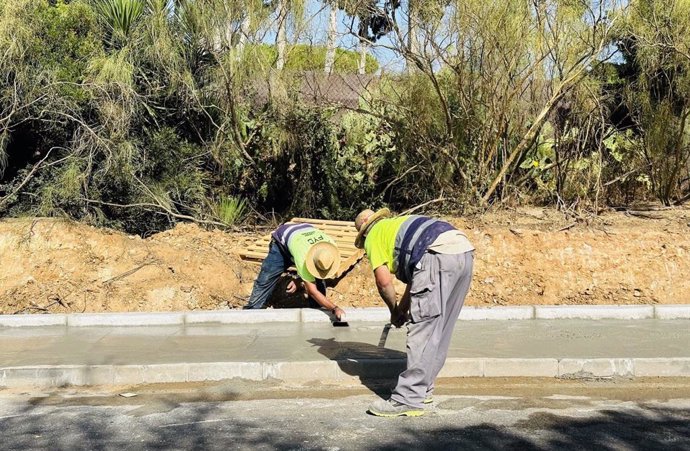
342	322
384	335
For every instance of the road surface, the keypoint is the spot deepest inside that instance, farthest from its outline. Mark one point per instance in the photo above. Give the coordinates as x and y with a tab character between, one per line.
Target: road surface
468	414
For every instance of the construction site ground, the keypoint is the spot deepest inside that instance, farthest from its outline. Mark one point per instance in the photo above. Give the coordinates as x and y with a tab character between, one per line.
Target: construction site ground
527	256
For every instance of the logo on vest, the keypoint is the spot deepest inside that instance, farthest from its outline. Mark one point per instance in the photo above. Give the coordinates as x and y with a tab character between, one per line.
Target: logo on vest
315	240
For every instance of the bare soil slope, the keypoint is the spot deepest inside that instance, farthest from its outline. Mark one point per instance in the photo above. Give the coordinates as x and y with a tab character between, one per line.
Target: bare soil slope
527	256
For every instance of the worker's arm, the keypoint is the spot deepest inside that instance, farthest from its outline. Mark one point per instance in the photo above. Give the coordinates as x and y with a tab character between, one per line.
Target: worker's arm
323	301
402	313
384	283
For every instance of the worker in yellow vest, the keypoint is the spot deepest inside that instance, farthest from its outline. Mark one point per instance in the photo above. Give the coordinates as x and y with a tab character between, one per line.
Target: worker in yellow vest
312	252
435	260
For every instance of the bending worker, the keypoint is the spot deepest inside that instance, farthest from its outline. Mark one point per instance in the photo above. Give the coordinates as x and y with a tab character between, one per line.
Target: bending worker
435	261
315	256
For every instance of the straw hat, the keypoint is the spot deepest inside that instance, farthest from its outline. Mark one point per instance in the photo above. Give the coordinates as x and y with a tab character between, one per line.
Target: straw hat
323	260
365	220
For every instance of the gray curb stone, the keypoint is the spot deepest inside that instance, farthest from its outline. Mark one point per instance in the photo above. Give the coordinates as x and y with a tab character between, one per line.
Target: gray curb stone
217	371
375	314
348	371
594	312
381	314
244	316
659	367
32	320
541	367
672	311
496	313
579	368
124	319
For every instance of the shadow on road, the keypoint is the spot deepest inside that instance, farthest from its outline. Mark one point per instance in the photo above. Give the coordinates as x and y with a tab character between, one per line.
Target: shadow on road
376	367
220	426
651	430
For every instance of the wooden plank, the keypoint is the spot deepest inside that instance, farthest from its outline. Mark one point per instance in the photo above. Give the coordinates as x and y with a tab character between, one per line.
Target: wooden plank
338	234
345	239
250	254
337	237
323	221
340	228
349	263
336	231
343	244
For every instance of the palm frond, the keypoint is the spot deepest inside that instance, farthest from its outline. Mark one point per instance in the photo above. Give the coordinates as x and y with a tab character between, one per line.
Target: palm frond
119	16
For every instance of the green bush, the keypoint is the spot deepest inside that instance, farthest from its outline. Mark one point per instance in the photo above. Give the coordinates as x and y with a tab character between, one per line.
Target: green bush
231	210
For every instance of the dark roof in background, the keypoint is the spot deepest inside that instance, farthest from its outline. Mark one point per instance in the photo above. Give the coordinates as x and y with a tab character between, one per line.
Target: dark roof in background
318	88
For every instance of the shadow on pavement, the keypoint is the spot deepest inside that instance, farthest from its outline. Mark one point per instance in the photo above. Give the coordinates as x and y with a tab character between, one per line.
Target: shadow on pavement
219	426
653	429
376	367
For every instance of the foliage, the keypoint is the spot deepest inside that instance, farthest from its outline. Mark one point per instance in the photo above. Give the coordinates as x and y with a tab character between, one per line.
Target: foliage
141	113
119	17
301	57
364	158
232	209
45	53
656	44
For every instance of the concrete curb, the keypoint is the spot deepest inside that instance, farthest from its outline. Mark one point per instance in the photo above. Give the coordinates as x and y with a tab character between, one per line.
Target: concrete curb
244	316
496	313
672	311
344	371
594	312
124	319
374	314
32	320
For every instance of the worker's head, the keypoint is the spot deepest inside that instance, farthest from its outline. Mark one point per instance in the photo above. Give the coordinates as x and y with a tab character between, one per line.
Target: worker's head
362	218
323	260
365	220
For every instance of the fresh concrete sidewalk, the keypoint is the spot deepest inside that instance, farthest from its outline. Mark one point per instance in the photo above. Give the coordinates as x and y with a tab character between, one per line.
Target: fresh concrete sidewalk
59	355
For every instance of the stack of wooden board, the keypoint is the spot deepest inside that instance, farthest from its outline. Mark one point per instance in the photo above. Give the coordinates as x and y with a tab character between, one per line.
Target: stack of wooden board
343	232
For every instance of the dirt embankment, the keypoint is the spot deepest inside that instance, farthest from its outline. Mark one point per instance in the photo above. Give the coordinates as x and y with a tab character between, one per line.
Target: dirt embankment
529	256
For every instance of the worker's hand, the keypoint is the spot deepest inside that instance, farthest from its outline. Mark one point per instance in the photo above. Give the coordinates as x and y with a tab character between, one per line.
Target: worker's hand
339	313
398	317
292	287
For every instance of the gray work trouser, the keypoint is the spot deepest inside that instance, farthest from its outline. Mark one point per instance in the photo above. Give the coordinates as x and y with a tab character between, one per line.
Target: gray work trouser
438	289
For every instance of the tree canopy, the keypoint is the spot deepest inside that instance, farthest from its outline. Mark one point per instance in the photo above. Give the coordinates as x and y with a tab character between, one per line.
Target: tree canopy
141	113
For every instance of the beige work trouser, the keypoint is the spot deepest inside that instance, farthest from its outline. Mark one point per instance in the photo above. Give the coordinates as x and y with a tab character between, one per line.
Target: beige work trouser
437	292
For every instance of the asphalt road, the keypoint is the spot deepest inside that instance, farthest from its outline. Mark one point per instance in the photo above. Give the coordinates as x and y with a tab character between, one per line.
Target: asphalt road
468	414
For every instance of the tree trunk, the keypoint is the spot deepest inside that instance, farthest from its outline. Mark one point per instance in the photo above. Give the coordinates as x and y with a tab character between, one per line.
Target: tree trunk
244	33
531	135
281	39
332	35
363	51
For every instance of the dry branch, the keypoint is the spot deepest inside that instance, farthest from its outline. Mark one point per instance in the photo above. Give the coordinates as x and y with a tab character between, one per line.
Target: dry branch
129	273
568	227
415	208
5	199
